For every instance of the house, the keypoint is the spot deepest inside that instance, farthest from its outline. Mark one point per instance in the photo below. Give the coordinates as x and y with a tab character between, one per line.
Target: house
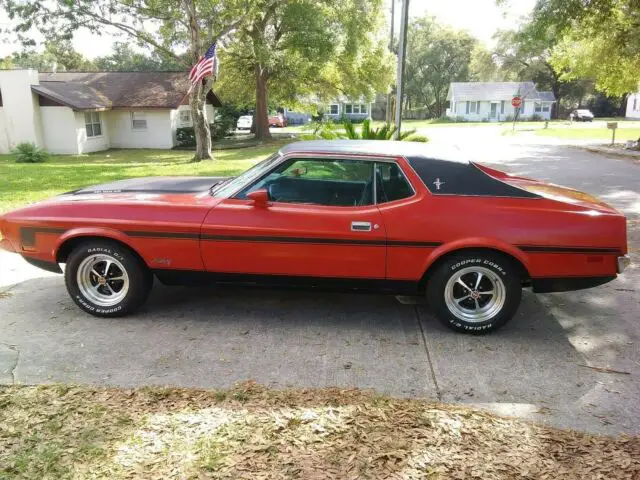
633	106
75	112
491	101
345	108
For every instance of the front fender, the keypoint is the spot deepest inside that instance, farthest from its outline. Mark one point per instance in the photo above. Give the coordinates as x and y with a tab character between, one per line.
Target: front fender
101	232
477	242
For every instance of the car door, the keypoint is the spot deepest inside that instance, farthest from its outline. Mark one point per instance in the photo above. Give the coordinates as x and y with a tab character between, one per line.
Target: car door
320	221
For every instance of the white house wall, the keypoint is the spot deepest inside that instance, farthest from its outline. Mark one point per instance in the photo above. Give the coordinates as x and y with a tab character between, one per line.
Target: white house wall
21	121
59	131
4	133
485	109
92	144
180	124
632	112
158	134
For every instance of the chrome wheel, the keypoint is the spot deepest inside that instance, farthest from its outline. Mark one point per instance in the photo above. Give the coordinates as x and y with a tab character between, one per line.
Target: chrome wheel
102	280
475	294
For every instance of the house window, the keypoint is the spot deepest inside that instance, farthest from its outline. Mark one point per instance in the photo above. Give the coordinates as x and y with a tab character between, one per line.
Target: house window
473	107
92	124
538	107
546	107
502	107
139	120
334	109
185	116
356	108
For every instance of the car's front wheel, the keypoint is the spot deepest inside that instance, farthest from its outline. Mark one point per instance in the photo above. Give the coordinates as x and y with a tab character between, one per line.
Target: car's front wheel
106	279
474	292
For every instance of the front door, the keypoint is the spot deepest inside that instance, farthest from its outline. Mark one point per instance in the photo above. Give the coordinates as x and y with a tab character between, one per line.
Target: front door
321	221
493	113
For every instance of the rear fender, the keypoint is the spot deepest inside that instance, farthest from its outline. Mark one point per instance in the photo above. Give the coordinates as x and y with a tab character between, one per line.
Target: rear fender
477	242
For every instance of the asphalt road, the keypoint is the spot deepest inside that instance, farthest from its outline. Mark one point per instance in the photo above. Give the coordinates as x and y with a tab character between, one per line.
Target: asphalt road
536	367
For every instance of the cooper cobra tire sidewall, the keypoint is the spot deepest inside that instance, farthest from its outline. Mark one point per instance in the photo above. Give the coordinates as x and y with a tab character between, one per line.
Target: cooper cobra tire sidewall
497	264
140	278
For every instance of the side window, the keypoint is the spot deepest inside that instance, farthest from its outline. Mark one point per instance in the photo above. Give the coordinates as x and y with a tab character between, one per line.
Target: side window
341	183
391	184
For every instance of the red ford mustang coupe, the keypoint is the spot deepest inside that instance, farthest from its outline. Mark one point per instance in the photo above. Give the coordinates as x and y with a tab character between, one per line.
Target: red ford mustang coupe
385	216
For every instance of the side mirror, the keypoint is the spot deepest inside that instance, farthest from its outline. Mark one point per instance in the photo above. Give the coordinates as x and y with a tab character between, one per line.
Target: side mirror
260	197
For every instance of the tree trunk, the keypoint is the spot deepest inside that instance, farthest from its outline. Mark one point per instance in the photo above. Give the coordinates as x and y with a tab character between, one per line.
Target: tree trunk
261	116
197	96
197	102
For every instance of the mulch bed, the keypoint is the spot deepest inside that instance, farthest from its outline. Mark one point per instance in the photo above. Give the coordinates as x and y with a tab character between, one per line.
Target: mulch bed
252	432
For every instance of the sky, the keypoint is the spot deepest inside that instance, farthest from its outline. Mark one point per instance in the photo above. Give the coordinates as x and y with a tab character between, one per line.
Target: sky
481	18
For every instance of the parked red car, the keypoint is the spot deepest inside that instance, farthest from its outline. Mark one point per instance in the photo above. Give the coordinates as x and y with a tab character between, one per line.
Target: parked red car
278	120
385	216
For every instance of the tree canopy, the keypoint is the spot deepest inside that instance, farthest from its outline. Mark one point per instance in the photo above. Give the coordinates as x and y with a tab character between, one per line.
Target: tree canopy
437	55
291	52
597	39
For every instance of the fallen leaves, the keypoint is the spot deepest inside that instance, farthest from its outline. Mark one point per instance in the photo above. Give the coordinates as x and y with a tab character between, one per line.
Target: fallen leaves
256	433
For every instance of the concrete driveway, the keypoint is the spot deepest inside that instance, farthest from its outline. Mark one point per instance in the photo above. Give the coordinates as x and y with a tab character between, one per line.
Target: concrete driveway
536	367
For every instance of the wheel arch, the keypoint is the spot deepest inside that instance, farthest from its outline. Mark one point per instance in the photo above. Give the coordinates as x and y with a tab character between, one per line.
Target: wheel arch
515	256
71	239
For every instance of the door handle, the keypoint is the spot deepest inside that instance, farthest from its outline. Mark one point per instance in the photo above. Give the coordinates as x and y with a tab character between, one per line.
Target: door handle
360	226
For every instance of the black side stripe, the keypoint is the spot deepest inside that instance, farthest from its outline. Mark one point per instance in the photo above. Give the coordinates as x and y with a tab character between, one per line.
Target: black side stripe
28	239
28	234
177	235
553	249
327	241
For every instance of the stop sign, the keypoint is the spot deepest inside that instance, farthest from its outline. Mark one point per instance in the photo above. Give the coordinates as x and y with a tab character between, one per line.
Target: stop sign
516	102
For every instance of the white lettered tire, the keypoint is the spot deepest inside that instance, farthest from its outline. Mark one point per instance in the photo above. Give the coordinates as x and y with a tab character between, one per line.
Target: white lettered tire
474	292
106	279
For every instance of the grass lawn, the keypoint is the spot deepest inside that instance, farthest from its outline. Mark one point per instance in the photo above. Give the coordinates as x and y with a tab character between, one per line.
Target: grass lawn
22	183
586	133
250	432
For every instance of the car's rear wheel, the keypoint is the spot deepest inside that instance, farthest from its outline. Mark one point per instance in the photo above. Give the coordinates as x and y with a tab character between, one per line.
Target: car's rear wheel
106	279
474	292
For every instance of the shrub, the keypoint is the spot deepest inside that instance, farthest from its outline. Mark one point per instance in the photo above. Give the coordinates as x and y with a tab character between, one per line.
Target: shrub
186	136
29	153
536	118
461	119
417	138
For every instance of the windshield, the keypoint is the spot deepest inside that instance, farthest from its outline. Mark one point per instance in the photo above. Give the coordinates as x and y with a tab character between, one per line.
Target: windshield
227	188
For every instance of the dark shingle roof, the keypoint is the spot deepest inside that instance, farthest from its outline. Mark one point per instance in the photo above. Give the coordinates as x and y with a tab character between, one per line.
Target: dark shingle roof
95	90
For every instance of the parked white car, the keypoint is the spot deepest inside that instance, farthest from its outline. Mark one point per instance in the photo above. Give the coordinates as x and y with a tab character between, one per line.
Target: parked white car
245	122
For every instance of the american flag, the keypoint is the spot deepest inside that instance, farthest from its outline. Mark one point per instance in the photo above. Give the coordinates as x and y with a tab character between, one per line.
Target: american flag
207	65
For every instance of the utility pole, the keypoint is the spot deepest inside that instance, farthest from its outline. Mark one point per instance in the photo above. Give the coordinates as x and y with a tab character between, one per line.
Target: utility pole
391	39
402	54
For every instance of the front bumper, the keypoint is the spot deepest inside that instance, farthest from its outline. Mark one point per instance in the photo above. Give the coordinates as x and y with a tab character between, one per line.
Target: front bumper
623	263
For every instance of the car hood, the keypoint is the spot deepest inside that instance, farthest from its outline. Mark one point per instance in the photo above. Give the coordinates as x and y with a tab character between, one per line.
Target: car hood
159	185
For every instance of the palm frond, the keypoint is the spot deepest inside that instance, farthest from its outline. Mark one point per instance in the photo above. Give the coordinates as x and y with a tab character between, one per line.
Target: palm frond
406	133
350	130
365	133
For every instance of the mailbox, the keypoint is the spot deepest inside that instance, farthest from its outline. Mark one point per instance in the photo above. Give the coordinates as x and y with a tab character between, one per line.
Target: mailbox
612	125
